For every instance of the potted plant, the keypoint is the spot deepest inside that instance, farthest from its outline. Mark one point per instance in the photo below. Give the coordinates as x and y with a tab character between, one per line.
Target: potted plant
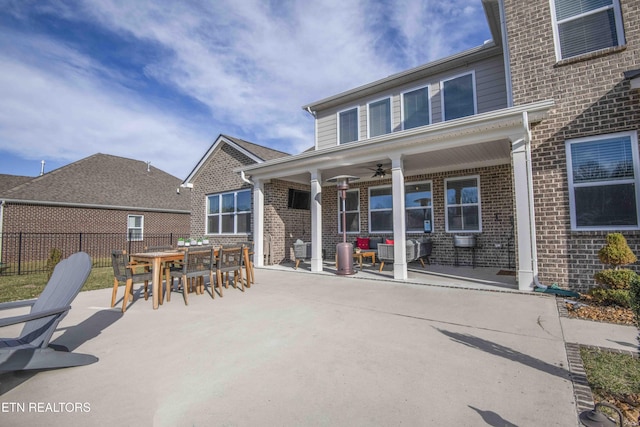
199	242
193	241
181	241
205	240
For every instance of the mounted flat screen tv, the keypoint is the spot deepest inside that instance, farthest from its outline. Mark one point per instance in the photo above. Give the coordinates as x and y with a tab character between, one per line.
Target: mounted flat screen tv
299	199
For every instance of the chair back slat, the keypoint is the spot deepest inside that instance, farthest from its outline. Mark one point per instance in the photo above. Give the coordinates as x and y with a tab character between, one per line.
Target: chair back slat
197	260
230	258
65	283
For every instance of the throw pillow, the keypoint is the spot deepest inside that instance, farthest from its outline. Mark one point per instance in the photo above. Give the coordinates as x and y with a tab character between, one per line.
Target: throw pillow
363	242
389	242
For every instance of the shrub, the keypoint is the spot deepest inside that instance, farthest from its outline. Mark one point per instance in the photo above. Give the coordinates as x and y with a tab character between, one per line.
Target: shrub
54	258
615	279
616	252
619	297
634	297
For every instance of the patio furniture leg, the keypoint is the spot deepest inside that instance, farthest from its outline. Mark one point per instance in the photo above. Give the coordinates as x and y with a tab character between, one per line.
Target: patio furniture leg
381	265
297	264
169	283
128	292
185	290
114	292
239	273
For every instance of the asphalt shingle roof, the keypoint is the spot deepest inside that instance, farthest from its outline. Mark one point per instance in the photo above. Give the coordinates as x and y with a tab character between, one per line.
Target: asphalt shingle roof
264	153
103	180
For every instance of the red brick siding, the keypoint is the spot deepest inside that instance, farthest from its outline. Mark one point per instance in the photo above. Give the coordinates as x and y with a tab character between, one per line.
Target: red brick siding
591	98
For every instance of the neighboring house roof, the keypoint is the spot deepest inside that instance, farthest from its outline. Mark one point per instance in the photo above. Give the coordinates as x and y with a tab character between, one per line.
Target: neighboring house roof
257	153
103	181
9	181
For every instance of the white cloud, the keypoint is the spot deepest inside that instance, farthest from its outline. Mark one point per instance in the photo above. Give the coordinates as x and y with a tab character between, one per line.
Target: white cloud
253	64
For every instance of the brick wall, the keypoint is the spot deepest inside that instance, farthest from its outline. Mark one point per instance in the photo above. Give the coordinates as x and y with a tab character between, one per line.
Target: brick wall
217	176
591	98
287	225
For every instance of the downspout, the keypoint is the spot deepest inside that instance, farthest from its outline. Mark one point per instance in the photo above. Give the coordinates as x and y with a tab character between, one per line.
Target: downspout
245	179
532	222
505	52
1	227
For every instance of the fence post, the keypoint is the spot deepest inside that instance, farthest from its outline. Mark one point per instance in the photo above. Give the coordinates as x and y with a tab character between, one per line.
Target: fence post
80	245
19	252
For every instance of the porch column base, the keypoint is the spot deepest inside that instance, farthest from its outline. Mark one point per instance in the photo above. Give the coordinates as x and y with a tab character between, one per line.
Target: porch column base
400	271
316	264
525	280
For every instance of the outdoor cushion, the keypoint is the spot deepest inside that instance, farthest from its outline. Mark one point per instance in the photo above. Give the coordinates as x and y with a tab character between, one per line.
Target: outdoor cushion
363	242
389	242
373	242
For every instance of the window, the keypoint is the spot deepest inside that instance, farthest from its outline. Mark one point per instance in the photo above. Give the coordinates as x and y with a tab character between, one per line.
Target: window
379	117
603	182
352	210
458	97
229	213
415	108
462	204
418	205
135	228
582	26
380	210
348	126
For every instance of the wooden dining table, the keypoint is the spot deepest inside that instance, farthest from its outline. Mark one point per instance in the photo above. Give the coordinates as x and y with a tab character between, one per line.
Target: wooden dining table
157	259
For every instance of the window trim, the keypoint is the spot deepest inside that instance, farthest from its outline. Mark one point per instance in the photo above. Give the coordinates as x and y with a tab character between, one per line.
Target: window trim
406	184
633	136
446	204
357	108
351	190
617	13
129	229
402	112
369	116
371	231
235	213
473	86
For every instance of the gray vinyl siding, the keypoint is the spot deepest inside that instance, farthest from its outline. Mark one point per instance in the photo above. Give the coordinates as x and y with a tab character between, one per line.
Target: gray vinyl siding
490	91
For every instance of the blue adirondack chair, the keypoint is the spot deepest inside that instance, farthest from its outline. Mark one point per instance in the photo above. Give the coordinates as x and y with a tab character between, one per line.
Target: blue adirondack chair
31	350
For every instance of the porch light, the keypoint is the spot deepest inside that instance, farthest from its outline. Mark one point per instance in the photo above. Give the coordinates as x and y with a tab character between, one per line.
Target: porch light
595	418
344	250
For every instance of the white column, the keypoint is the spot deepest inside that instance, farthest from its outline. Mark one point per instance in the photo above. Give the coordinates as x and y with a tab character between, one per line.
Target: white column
316	221
399	234
258	222
524	215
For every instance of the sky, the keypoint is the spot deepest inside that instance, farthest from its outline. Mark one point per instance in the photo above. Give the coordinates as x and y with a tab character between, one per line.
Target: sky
158	81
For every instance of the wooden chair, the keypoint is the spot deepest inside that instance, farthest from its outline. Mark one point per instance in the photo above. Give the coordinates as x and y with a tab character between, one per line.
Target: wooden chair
125	271
230	259
248	267
196	265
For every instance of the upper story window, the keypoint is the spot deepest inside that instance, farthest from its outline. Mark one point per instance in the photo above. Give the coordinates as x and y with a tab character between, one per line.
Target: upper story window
604	182
348	125
415	108
418	204
583	26
229	213
379	117
458	96
352	211
380	210
462	204
135	227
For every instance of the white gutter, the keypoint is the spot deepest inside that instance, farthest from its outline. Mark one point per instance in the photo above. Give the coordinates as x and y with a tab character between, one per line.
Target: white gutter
245	179
92	206
1	226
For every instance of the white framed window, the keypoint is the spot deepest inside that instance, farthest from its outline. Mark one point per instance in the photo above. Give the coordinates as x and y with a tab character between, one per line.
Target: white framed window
458	95
380	210
352	211
604	182
379	117
415	108
418	202
348	125
462	204
135	228
229	213
583	26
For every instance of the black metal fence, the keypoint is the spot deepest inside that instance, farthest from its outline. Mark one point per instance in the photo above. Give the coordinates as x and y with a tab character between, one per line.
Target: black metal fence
26	253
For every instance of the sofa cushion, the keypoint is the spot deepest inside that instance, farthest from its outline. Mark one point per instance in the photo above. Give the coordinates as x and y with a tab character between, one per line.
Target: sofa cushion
362	242
373	242
389	242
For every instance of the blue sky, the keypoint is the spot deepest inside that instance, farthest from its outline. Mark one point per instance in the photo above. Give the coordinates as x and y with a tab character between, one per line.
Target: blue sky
158	81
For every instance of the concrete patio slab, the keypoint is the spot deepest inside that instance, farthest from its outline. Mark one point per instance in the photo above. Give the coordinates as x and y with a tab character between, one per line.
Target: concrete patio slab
306	349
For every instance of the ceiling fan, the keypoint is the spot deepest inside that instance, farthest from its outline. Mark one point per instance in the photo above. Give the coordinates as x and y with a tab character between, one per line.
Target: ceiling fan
379	171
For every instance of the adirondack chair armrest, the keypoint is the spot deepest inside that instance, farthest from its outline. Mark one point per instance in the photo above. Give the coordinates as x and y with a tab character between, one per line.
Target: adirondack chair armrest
17	304
13	320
